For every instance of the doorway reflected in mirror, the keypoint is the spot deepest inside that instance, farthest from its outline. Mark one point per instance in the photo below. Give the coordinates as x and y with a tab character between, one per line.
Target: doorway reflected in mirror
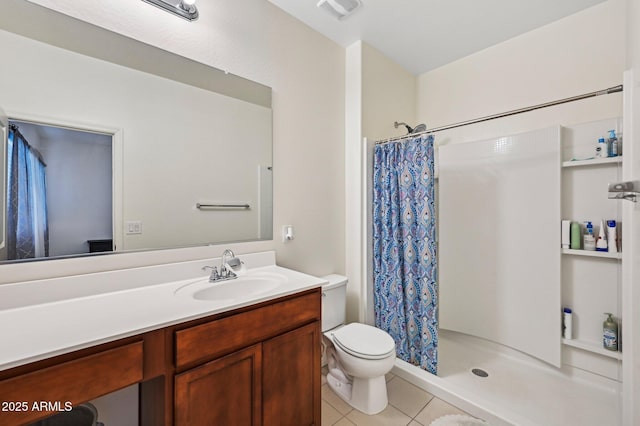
59	192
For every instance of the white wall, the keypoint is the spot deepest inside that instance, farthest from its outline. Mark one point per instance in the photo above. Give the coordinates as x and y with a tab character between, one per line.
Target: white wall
354	184
79	209
256	40
578	54
388	95
378	93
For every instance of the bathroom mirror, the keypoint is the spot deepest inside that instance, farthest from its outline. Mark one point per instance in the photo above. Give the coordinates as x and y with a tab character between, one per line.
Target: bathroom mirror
184	150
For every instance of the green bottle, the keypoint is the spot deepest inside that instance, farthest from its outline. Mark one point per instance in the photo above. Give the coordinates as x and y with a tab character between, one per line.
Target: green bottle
610	333
576	235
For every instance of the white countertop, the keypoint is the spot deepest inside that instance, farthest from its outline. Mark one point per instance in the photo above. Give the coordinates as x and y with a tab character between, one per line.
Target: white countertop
38	331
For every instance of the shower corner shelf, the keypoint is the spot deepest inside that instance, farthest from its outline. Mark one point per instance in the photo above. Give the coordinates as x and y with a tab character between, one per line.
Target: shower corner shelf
603	254
592	162
592	347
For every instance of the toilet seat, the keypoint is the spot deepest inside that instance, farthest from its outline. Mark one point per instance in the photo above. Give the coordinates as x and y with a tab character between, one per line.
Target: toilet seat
364	341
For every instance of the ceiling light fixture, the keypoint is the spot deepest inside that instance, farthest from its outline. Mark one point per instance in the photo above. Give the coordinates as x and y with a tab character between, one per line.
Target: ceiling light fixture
183	8
339	9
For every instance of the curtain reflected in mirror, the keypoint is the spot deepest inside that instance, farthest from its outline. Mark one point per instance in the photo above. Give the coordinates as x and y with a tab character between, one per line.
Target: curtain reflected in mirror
58	192
27	222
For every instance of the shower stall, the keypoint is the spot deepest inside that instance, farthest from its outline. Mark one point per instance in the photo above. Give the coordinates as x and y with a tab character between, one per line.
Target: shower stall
501	277
500	287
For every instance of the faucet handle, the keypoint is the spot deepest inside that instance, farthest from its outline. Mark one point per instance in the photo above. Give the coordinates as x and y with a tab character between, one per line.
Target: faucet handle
214	272
226	271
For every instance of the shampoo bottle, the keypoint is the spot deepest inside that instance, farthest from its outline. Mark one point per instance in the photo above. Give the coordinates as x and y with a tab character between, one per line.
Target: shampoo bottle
601	242
612	144
576	235
565	241
601	148
589	239
567	329
610	333
612	236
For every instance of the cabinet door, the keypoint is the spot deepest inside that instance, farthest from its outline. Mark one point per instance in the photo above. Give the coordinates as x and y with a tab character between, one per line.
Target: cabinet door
222	392
291	378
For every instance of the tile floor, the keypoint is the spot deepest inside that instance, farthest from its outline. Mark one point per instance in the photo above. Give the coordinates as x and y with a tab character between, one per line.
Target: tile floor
408	406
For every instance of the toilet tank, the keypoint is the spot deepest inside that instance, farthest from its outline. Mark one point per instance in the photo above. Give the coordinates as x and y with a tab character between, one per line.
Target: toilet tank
334	301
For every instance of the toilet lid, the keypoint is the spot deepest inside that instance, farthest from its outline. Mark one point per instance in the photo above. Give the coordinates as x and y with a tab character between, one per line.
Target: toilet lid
364	341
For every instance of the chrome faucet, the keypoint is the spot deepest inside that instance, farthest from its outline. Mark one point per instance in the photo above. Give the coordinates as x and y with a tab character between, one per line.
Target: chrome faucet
226	272
225	269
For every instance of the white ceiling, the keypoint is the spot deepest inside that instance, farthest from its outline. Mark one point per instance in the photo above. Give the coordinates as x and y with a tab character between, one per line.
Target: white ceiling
422	35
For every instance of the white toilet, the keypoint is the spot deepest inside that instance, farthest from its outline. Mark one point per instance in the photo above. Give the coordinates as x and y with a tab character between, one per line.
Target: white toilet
358	355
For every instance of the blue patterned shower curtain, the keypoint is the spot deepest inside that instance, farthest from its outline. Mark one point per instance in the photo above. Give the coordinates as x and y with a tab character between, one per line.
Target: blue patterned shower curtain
404	249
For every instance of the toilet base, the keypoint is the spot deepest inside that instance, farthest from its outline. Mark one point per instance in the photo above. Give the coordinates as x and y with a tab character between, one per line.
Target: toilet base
340	387
366	395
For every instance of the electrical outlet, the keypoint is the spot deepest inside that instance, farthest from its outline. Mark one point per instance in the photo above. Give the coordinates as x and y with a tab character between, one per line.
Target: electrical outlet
133	227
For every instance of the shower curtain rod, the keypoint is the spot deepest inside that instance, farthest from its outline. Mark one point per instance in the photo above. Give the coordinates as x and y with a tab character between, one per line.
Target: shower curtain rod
16	129
608	91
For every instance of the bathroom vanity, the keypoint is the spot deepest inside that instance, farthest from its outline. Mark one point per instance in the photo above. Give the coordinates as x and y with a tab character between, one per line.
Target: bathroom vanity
260	366
253	359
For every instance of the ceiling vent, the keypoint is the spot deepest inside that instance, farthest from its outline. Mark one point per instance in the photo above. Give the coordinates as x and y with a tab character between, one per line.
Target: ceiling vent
339	9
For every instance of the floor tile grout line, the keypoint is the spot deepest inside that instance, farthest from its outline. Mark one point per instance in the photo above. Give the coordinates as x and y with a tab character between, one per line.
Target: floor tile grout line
339	420
407	414
336	408
344	416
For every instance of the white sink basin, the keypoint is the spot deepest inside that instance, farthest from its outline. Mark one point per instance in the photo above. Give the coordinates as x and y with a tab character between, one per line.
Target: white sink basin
225	291
251	285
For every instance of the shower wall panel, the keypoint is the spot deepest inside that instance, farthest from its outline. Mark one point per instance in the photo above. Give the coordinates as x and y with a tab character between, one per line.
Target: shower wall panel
499	236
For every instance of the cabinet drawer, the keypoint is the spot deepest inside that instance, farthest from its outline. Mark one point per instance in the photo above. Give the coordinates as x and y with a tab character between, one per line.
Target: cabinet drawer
219	337
71	382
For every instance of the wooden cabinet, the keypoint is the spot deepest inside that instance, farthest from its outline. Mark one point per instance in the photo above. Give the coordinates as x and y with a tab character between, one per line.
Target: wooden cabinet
270	377
210	339
221	392
45	391
291	378
258	365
